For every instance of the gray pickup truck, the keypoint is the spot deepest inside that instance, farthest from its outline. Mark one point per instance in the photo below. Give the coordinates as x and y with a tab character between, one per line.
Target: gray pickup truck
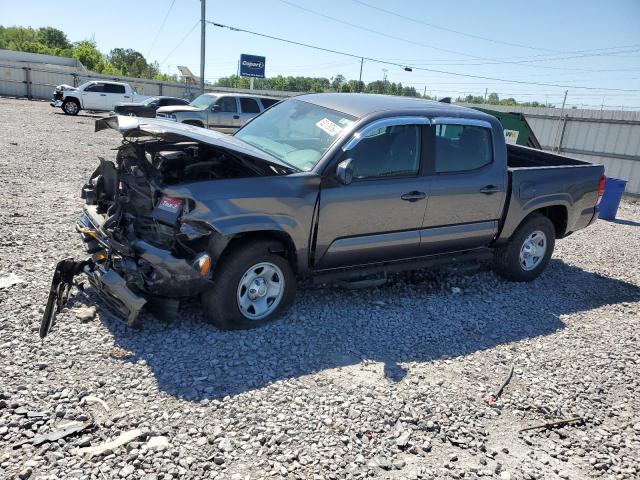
334	186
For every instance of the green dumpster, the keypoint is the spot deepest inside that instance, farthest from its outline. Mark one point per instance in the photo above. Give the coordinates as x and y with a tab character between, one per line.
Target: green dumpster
516	128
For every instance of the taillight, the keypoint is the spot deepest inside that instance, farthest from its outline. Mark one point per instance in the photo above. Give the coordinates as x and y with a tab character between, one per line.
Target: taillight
601	186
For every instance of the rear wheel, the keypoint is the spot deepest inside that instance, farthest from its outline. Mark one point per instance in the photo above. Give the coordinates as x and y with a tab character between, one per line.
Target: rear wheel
71	107
528	251
250	287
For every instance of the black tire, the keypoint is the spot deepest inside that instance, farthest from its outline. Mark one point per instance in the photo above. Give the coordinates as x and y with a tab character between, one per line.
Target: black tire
219	300
507	259
71	107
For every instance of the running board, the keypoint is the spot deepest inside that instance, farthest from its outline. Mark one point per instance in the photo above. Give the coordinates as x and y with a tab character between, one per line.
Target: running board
356	273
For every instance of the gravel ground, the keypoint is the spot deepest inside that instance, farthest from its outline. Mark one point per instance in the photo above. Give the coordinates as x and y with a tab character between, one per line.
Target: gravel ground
390	382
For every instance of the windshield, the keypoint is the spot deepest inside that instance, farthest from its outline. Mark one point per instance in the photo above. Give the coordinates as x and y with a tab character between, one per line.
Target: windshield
296	132
150	100
204	101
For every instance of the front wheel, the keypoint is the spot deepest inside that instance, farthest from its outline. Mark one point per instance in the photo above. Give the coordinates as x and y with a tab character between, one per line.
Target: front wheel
250	287
71	107
528	251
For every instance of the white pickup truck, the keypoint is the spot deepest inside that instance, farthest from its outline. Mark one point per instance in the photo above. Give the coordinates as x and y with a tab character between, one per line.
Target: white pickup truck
94	95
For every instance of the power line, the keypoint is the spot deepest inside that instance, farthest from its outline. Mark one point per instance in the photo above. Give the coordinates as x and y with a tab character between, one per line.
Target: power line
466	34
411	67
490	61
181	41
450	30
164	20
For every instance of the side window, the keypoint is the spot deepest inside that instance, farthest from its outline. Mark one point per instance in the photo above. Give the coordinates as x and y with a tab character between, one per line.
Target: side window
96	87
387	152
461	148
249	105
267	102
163	102
113	88
227	104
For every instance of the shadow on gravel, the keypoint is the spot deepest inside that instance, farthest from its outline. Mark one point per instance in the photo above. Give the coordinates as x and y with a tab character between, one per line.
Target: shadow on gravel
329	328
620	221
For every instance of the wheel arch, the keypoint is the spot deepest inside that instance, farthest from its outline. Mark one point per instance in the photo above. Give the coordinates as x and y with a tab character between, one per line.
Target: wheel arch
280	242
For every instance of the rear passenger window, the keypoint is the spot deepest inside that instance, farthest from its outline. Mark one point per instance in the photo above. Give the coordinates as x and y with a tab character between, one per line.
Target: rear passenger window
227	104
461	148
112	88
267	102
387	152
249	105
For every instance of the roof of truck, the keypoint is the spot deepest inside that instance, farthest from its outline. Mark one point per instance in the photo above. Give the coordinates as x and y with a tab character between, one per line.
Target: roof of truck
363	104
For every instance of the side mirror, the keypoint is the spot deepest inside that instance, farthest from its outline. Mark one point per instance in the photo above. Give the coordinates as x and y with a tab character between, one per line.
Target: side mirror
215	108
344	172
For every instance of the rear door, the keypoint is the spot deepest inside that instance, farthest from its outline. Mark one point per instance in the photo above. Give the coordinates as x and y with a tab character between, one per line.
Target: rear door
115	93
249	108
467	186
224	114
378	216
93	97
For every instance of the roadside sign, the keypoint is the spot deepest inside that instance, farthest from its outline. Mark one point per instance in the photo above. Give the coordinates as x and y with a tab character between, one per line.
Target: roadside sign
252	66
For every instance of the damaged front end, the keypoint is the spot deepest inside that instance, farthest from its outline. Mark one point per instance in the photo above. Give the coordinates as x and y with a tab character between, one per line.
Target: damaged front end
146	248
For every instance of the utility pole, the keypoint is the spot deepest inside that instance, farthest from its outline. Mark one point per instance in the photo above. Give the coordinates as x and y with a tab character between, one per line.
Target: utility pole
203	25
360	79
555	142
485	94
424	94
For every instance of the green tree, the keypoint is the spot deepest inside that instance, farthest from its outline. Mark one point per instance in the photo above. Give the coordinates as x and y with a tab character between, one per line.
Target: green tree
53	38
493	98
87	52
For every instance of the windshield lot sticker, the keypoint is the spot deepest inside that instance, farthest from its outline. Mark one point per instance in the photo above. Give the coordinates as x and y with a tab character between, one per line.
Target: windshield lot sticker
329	127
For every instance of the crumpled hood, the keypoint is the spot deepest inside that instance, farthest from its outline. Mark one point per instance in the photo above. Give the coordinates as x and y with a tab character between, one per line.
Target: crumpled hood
178	108
64	87
132	127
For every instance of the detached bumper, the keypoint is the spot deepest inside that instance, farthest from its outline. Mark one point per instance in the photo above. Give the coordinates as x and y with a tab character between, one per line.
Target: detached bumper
56	103
140	272
114	290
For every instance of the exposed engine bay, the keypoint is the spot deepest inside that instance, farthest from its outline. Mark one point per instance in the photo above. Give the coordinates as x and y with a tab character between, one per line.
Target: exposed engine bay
129	193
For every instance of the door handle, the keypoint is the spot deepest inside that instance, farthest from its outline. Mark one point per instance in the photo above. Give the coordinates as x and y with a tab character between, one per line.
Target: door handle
413	196
103	94
236	117
127	96
489	190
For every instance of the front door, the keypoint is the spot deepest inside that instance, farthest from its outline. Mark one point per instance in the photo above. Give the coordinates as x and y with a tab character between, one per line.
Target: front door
93	97
467	186
378	216
224	115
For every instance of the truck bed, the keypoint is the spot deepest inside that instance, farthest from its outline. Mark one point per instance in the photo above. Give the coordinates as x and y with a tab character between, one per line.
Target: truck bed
539	179
525	157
